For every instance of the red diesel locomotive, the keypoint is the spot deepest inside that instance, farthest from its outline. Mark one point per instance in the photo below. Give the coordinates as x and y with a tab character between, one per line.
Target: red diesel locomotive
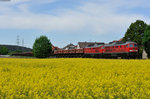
113	50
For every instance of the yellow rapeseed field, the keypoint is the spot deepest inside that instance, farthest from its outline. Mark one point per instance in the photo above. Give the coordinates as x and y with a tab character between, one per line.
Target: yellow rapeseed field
74	78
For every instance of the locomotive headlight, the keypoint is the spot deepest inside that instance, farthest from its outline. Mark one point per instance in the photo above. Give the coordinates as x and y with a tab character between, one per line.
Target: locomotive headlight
133	50
136	50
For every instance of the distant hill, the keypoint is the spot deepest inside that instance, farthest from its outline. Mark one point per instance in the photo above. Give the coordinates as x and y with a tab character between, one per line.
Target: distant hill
17	48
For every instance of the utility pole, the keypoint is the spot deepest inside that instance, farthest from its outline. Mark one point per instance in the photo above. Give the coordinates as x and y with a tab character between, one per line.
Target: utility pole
22	45
23	42
18	40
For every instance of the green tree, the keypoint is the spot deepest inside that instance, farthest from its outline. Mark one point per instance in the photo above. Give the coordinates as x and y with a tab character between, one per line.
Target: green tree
135	33
146	40
3	50
42	47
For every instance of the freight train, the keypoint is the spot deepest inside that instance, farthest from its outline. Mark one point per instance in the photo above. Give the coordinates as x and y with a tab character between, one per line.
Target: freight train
112	50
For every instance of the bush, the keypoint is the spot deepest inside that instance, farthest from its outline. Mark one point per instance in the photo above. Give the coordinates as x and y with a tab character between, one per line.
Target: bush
3	50
42	47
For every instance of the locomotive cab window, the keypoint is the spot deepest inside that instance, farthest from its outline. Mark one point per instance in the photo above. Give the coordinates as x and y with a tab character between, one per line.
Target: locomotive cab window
131	45
135	45
103	47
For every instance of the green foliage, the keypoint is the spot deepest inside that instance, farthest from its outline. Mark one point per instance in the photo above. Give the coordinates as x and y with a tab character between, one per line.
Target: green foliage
135	33
42	47
146	40
3	50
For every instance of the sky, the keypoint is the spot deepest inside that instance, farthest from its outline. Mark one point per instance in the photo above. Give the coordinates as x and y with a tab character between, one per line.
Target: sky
69	21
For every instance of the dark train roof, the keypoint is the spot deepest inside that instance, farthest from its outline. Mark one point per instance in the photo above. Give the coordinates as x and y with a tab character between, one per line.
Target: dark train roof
119	43
110	44
95	45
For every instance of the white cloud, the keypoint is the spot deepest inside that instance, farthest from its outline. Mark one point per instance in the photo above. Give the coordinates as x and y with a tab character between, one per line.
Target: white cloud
18	1
105	19
96	18
43	1
23	8
14	2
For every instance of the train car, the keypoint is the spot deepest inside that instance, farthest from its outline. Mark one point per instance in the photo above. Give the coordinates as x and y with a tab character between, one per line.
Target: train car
58	53
123	50
69	53
80	51
96	51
